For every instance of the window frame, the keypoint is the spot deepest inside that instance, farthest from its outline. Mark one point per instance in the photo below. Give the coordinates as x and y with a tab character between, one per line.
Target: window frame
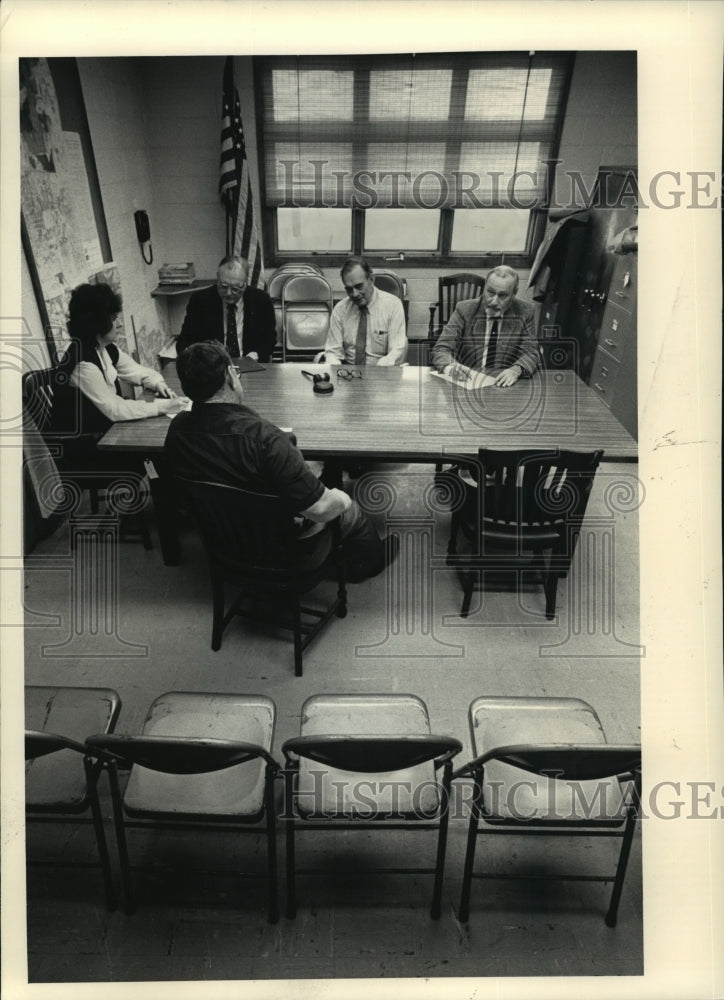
441	256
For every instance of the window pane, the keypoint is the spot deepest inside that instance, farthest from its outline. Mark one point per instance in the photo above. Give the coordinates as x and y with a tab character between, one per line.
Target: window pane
508	94
502	171
489	229
321	229
402	94
314	93
306	172
401	229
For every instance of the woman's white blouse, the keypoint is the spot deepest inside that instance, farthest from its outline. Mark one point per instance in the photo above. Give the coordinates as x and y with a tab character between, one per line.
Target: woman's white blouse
100	388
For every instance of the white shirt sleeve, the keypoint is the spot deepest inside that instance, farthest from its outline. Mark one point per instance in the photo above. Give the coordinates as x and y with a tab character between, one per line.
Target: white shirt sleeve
334	348
396	336
90	380
137	374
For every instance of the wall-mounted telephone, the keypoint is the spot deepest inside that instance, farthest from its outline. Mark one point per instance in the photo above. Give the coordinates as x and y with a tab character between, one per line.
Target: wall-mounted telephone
143	232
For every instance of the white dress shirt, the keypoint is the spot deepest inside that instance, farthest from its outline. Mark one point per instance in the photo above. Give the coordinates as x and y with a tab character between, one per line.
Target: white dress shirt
99	386
386	337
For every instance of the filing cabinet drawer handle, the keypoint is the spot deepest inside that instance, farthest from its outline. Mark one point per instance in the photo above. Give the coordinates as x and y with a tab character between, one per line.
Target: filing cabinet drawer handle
600	388
610	343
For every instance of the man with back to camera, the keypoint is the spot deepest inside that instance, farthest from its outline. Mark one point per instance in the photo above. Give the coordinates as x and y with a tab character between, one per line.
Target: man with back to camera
368	327
239	317
494	333
222	440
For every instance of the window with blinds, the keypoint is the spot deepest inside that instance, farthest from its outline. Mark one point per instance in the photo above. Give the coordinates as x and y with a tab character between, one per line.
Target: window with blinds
442	132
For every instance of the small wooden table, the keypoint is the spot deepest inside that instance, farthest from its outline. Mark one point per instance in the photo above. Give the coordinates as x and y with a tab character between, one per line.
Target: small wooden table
406	414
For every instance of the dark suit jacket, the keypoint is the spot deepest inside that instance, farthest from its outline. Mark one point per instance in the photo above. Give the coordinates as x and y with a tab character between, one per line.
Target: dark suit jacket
463	338
204	320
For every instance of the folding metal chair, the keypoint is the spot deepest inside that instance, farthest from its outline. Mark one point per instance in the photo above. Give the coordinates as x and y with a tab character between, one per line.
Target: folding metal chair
201	760
379	772
61	775
542	767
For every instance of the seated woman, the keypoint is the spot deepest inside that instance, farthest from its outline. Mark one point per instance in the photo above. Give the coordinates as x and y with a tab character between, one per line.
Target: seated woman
87	396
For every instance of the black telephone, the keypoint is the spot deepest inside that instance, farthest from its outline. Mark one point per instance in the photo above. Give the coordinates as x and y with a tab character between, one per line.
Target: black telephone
143	232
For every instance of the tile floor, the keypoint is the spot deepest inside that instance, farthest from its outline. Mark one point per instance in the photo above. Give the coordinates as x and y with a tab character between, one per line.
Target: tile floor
153	635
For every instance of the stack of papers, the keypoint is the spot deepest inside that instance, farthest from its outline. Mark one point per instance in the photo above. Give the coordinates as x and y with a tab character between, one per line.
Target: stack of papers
478	380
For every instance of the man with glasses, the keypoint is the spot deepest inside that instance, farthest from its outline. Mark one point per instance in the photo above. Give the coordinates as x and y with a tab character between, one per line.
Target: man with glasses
239	317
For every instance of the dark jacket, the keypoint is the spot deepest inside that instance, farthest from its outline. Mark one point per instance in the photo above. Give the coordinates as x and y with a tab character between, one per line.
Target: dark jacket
204	320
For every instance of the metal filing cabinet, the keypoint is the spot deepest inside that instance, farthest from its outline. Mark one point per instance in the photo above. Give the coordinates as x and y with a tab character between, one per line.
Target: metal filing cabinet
613	375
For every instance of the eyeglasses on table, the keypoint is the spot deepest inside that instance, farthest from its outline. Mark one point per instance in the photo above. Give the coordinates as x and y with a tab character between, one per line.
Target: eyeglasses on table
349	373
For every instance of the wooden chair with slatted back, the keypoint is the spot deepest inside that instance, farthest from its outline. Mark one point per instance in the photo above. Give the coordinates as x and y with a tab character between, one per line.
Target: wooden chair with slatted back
452	288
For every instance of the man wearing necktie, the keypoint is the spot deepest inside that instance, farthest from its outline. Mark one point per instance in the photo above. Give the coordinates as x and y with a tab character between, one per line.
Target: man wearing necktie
368	327
495	334
239	317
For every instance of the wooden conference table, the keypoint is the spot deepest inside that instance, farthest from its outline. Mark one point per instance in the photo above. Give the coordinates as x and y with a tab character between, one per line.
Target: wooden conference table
407	414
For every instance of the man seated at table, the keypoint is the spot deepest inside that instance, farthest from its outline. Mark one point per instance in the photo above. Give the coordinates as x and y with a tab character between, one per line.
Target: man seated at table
224	441
368	327
239	317
494	333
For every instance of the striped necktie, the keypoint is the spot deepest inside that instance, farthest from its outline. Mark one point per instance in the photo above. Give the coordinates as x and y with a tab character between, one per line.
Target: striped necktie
492	344
232	337
360	350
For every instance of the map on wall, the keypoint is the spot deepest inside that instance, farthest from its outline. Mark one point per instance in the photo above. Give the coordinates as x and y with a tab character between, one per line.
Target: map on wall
55	197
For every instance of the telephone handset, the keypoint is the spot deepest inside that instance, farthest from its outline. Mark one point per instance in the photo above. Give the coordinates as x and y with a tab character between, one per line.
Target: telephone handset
143	232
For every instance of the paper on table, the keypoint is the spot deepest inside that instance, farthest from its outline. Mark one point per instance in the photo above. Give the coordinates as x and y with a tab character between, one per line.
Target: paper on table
186	406
478	380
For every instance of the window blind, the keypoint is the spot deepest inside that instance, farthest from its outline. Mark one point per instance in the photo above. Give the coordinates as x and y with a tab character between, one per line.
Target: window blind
460	130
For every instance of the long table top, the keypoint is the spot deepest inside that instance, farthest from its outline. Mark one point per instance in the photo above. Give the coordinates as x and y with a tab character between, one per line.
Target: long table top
408	414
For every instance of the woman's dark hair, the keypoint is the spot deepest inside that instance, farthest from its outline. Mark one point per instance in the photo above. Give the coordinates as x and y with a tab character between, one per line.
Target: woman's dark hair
91	311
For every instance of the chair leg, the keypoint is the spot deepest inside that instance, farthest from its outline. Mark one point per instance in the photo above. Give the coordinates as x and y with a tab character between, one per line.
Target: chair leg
612	914
217	628
92	773
468	587
129	902
441	844
452	545
271	848
291	892
297	630
464	908
550	585
145	533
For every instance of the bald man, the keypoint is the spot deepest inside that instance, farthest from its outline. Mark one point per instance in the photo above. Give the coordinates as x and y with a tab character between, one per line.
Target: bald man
494	333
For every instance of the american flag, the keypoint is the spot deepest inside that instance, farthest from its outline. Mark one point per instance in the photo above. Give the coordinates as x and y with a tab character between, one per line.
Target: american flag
242	237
